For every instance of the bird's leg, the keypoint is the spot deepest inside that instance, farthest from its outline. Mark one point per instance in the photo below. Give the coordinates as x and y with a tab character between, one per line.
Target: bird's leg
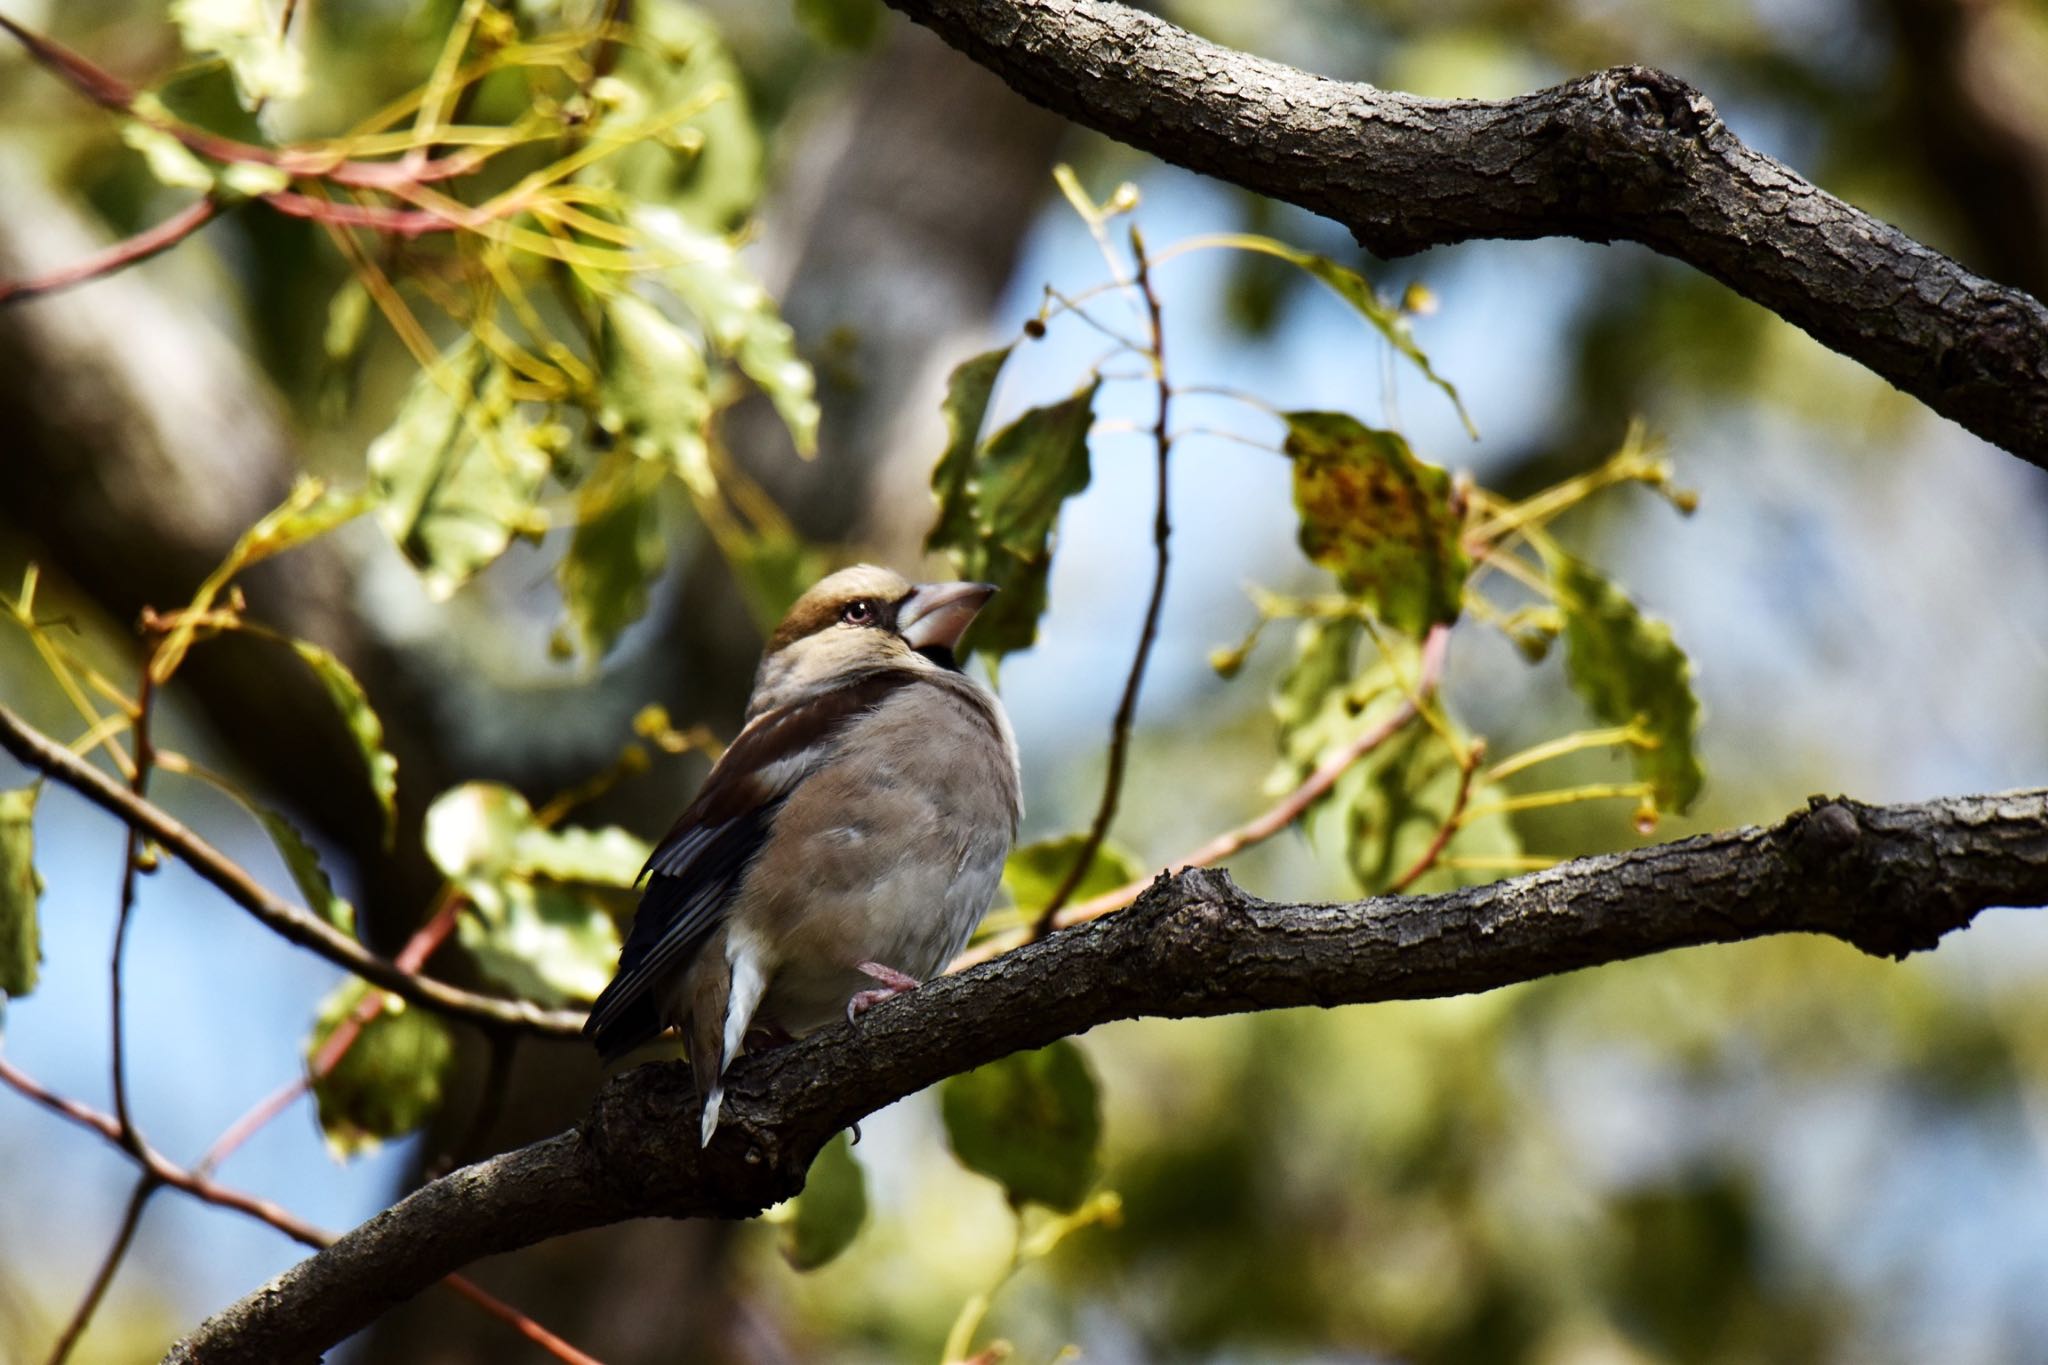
892	982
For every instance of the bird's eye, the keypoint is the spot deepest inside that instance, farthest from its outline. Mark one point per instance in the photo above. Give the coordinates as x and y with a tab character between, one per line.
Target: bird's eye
858	613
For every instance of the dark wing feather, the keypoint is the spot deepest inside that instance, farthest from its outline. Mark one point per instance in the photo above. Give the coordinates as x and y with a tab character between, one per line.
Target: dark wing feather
694	874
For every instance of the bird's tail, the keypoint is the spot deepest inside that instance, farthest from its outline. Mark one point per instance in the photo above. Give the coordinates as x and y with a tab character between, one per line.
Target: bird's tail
718	1027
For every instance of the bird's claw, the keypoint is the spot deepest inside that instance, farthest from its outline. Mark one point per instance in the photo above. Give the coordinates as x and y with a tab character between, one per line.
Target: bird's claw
891	983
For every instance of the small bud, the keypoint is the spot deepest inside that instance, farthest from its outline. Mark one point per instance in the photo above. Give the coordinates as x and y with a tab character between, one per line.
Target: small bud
1035	328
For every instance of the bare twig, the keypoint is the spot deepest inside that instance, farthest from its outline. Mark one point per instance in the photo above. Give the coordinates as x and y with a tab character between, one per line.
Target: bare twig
1467	766
131	1219
119	256
131	871
293	922
1162	532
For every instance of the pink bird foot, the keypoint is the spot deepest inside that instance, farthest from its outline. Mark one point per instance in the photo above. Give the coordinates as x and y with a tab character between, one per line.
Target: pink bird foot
893	983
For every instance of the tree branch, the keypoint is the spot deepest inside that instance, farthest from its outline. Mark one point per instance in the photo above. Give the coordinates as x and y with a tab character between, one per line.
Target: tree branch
294	923
1623	154
1887	879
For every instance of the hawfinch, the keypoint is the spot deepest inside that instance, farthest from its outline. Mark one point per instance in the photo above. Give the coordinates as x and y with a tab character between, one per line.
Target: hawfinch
844	847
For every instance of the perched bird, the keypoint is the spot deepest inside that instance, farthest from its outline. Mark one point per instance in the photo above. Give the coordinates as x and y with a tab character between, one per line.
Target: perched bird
845	846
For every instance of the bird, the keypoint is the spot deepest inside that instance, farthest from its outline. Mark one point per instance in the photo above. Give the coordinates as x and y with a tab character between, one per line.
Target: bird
844	846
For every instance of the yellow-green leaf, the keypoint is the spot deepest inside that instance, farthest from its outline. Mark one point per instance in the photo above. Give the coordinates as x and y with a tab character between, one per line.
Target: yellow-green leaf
616	552
1378	518
653	392
363	726
390	1080
252	40
21	953
1386	318
825	1218
1034	871
457	472
302	860
968	390
705	272
999	528
1032	1122
1630	672
170	160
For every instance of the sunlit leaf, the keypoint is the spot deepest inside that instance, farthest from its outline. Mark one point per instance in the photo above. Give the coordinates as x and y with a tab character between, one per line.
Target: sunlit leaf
968	390
250	37
825	1218
533	922
1378	518
1034	871
998	524
302	860
363	726
457	472
1032	1122
1395	801
1630	671
390	1080
739	316
20	887
707	167
169	160
616	552
1386	318
252	179
1321	699
653	394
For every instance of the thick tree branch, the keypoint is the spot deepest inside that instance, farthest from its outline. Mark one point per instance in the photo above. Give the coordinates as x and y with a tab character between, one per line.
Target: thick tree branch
1624	154
1887	879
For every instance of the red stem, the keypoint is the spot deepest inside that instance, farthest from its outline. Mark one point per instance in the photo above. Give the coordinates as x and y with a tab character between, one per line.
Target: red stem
119	256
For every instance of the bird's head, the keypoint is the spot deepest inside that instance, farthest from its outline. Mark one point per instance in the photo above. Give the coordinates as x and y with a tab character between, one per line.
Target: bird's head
860	621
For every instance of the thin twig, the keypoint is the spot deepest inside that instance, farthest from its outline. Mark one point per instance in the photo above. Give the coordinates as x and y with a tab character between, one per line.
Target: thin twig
1467	766
119	256
1162	531
295	923
131	871
1260	827
162	1171
131	1219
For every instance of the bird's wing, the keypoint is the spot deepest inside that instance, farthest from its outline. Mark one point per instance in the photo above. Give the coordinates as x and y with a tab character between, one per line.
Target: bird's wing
694	874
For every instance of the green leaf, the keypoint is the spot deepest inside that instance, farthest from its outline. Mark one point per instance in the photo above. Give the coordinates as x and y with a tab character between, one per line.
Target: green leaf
363	726
828	1214
170	160
998	524
707	167
249	36
616	552
1397	798
457	472
1630	672
705	272
846	24
21	886
968	390
653	395
1386	318
302	860
533	922
1033	872
1032	1122
1378	518
390	1080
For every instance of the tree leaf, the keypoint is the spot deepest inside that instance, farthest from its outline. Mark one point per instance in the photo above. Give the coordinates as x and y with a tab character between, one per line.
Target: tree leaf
1032	1122
21	887
265	65
302	860
1378	518
533	921
363	726
1630	671
705	272
1386	318
968	390
999	528
1395	800
847	24
654	395
169	160
616	552
457	472
1033	872
825	1218
390	1080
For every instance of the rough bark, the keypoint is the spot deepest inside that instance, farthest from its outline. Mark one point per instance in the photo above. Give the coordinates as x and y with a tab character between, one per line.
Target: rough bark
1889	880
1623	154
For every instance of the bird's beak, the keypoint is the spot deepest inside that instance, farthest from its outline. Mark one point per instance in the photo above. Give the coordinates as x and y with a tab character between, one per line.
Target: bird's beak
936	615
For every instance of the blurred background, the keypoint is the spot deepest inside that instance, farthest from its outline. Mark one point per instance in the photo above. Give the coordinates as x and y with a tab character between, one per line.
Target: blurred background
1779	1151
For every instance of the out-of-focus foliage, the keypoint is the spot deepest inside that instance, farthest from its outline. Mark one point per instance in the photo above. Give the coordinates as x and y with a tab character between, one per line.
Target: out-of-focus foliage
21	887
389	1080
1031	1122
825	1218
